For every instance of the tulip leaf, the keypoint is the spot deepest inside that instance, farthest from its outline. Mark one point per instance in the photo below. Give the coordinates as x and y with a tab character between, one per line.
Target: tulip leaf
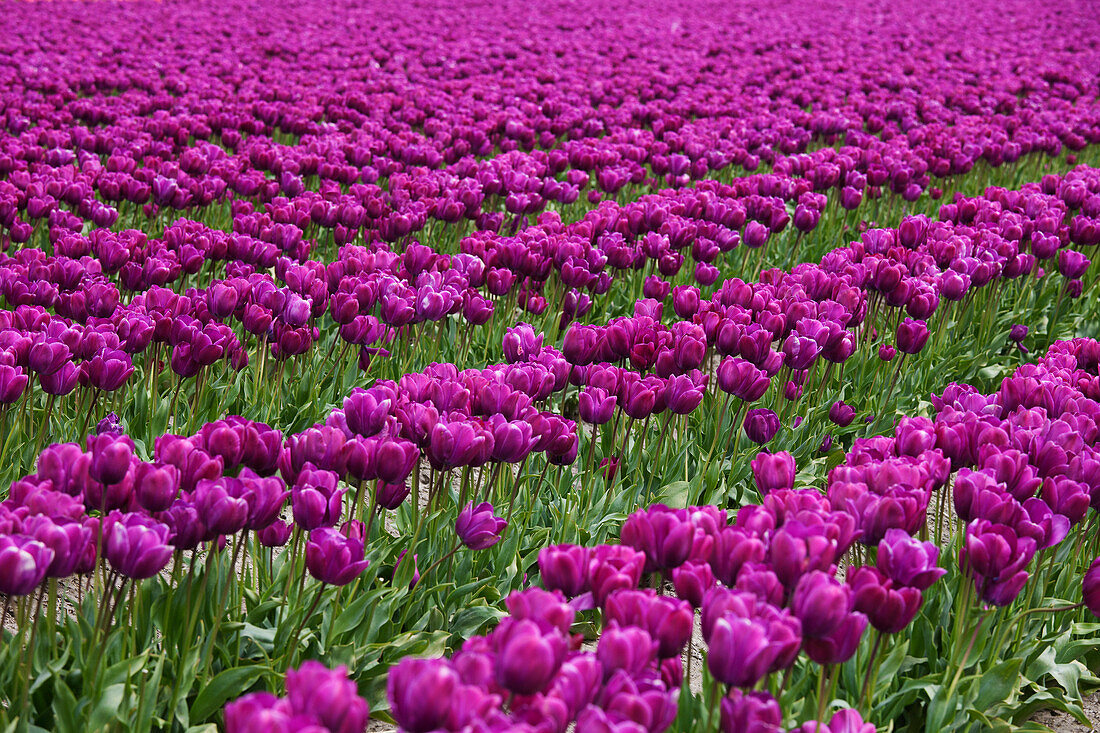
228	683
998	683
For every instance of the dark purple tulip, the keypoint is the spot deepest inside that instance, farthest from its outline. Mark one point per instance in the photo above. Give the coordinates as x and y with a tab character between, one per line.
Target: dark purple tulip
662	534
773	471
265	498
327	696
223	510
477	527
13	380
692	580
527	657
1072	264
391	496
742	379
750	712
841	414
911	336
611	567
421	693
839	646
888	608
1090	589
907	561
156	485
668	621
333	558
564	568
595	405
820	602
315	499
886	352
111	456
628	648
1017	333
23	564
276	534
136	546
739	652
761	426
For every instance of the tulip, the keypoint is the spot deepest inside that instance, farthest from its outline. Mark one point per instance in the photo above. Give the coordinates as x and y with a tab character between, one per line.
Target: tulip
773	471
564	568
841	414
911	336
477	527
750	712
333	558
761	426
23	564
527	657
1090	589
820	602
136	546
327	696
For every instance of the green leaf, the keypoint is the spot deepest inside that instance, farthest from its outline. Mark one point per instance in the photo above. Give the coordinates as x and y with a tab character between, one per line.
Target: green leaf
998	684
226	684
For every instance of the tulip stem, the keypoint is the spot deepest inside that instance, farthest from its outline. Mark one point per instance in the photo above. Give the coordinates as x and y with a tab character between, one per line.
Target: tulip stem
871	677
293	645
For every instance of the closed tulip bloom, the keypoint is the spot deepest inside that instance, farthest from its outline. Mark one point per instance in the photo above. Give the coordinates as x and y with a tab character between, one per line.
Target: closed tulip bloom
668	621
911	336
111	456
13	380
564	568
23	564
888	608
327	696
820	602
611	567
841	414
595	405
1090	589
156	485
750	712
262	712
1072	264
333	558
839	646
421	693
692	580
527	657
223	509
477	527
662	534
773	471
738	651
742	379
628	648
761	426
136	546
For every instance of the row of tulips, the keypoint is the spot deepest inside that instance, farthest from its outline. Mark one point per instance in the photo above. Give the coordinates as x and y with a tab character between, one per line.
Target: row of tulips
208	512
499	135
396	309
788	588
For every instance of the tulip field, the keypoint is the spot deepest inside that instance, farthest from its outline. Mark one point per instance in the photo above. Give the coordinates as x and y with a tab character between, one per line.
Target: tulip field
564	367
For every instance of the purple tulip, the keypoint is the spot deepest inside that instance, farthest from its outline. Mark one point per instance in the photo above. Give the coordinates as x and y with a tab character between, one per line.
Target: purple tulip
773	471
23	564
761	426
333	558
750	712
564	568
841	414
477	527
136	546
